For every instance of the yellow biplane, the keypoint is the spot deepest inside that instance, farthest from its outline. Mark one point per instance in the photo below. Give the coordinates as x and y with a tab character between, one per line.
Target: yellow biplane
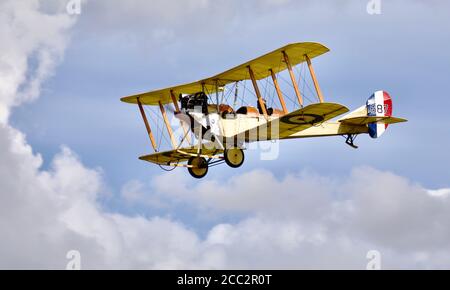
214	127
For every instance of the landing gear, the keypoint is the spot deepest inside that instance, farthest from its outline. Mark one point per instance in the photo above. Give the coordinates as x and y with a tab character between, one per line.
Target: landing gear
199	167
234	157
350	139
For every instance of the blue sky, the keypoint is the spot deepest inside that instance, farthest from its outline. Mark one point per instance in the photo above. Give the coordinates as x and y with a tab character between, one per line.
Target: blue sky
120	48
401	51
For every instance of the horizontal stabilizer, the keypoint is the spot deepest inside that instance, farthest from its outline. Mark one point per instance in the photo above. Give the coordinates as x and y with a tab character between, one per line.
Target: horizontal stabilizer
372	119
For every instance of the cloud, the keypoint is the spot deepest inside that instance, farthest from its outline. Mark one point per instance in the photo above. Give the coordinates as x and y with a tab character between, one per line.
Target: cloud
255	192
32	44
301	221
135	192
46	213
309	220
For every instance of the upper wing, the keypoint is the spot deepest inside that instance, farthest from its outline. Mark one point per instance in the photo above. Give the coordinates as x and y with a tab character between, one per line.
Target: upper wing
294	122
372	119
260	67
273	60
180	155
164	95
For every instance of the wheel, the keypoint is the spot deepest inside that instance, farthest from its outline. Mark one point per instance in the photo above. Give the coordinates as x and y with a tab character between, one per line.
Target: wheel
199	167
234	157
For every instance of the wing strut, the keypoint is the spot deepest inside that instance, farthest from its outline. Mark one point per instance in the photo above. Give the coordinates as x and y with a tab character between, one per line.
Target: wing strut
166	121
258	93
313	76
277	87
147	125
294	81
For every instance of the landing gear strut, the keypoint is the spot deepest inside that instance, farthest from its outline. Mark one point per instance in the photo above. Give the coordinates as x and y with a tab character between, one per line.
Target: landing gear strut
350	139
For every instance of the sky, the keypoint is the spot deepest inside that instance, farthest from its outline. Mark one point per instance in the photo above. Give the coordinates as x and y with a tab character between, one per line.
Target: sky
70	178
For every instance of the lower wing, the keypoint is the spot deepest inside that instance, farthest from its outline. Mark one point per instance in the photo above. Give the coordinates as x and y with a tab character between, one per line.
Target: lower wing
176	156
294	122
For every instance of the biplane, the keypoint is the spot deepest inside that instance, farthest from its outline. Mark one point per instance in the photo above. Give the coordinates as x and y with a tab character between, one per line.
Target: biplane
218	116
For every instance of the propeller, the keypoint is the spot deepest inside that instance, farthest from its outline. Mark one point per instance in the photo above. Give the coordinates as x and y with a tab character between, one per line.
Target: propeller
183	117
170	109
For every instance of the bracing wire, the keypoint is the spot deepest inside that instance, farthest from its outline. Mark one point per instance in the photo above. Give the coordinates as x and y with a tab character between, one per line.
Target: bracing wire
159	128
311	91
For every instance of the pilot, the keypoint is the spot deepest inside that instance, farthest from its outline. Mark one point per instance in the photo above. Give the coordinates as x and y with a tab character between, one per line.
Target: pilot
268	110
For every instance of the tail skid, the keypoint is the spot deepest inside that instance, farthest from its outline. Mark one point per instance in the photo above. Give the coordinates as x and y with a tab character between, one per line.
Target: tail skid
350	140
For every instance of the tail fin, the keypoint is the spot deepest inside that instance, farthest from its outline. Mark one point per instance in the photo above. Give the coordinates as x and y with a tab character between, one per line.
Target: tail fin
379	104
376	114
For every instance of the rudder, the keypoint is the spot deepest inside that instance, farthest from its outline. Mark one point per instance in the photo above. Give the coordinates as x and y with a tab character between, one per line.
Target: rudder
379	104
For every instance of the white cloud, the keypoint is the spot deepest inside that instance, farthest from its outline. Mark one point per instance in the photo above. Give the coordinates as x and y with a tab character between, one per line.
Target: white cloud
300	221
132	191
334	218
440	192
45	213
32	44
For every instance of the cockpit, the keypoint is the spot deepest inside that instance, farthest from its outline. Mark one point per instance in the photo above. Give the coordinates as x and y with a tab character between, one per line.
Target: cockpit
199	101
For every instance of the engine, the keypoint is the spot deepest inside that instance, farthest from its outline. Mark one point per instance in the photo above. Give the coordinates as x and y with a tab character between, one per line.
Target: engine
197	100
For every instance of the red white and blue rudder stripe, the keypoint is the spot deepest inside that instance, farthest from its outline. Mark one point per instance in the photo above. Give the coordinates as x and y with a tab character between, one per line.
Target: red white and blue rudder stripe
379	104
